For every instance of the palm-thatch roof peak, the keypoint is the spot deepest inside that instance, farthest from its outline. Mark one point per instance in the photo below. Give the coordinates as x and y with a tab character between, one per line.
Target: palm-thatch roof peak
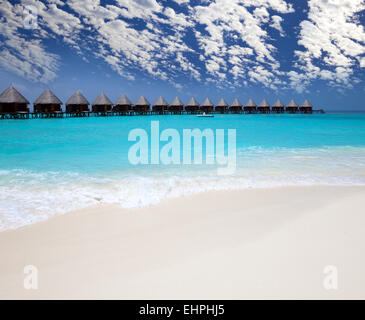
236	103
176	103
102	100
222	103
278	104
264	104
47	97
207	103
123	101
77	99
12	95
306	104
161	102
250	103
292	103
192	103
142	101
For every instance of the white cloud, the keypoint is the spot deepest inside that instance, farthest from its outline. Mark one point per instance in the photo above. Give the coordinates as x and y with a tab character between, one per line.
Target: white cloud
362	62
149	48
231	21
181	1
333	39
276	24
26	57
226	42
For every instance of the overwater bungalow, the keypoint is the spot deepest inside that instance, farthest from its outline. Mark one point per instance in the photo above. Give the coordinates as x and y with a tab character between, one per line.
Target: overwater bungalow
207	105
12	101
160	105
221	106
142	105
236	106
123	104
102	104
306	107
176	105
292	107
192	105
250	106
77	103
278	107
47	102
264	107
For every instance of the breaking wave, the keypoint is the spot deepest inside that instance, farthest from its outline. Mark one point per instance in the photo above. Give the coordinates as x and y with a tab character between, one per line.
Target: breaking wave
27	196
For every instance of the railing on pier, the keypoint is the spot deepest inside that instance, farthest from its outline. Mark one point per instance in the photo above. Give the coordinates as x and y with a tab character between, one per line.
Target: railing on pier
50	115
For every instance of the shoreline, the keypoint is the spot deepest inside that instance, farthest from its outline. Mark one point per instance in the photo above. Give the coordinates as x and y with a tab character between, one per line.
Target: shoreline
172	197
253	243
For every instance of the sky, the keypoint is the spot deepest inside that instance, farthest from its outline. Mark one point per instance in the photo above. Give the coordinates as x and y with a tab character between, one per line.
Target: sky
286	49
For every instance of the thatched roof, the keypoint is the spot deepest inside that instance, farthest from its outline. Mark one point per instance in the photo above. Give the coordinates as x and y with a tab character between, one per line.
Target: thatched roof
123	101
207	103
292	104
176	103
236	103
306	104
192	103
278	104
77	99
102	100
222	103
142	101
250	103
264	104
11	95
47	97
160	102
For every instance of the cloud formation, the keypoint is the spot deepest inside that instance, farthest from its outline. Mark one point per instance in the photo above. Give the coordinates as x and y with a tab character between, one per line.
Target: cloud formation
24	56
333	41
225	42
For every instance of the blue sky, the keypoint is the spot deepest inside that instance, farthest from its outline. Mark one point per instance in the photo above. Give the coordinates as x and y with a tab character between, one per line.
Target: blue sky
217	48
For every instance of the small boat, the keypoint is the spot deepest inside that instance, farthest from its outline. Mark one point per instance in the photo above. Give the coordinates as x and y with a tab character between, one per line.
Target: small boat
204	115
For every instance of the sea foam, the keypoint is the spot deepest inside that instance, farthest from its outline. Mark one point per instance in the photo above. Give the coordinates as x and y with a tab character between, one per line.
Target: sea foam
28	196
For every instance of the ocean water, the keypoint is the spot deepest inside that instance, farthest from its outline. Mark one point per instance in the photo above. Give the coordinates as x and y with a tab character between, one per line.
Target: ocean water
53	166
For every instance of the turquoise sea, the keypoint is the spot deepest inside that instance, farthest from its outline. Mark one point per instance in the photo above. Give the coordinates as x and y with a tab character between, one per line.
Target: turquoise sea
52	166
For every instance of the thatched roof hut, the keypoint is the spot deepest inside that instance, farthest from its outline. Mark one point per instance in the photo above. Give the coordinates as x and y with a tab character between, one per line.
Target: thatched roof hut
12	95
160	105
77	103
47	97
142	105
292	107
176	105
47	102
192	105
306	107
207	105
123	104
236	106
278	106
250	106
102	104
221	105
11	100
264	106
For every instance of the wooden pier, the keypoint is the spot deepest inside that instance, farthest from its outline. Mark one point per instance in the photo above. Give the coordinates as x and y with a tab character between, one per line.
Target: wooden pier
59	114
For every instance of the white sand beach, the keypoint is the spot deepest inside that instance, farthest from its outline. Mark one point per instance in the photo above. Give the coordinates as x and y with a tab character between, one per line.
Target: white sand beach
257	243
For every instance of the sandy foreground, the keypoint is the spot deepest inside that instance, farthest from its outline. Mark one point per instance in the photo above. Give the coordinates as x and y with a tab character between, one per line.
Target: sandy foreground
268	243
